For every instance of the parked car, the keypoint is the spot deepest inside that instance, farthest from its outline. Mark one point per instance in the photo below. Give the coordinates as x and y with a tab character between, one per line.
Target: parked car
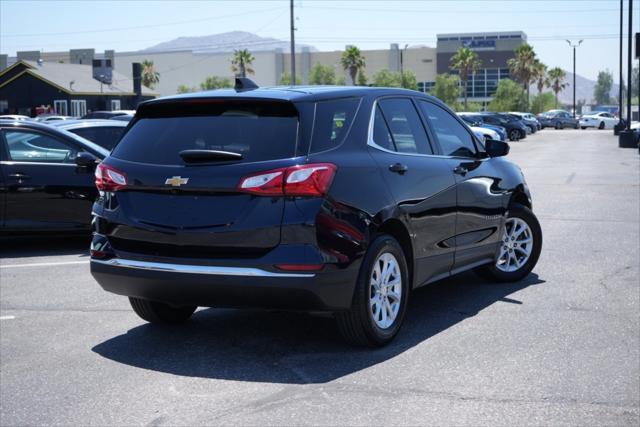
52	117
46	178
105	133
484	134
600	120
558	119
125	118
516	129
477	122
335	199
529	120
15	117
108	114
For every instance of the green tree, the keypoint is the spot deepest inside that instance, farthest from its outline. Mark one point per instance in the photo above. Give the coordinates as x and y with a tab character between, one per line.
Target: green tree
523	66
542	102
466	62
362	78
447	89
322	75
602	89
387	78
556	81
352	61
241	63
540	76
409	80
509	96
285	79
186	89
215	82
341	81
150	77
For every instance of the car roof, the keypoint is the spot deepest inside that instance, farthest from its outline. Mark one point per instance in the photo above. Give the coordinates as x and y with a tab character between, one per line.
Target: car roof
44	127
291	93
87	123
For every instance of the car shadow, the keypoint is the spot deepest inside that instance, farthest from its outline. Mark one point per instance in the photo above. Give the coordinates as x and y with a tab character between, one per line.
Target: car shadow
295	348
30	246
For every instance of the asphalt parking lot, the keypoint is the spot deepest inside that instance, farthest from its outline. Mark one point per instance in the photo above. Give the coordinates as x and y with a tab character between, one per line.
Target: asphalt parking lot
560	347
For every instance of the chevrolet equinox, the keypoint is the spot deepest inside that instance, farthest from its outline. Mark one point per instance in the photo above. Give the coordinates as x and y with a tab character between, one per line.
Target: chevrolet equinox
336	199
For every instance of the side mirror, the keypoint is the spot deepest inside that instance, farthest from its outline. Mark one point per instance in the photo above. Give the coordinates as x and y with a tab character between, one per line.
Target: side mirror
496	148
86	160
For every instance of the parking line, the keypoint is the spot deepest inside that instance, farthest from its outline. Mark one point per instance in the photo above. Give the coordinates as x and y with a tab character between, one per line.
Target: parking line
7	317
43	264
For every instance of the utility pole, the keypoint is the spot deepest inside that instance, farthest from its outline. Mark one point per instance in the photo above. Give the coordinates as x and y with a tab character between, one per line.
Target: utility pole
574	46
621	78
293	47
402	64
629	50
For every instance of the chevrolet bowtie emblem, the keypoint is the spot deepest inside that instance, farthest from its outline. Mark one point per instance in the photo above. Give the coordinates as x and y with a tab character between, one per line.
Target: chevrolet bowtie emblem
176	181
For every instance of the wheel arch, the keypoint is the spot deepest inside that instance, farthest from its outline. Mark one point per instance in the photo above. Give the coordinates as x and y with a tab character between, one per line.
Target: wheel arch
399	231
520	197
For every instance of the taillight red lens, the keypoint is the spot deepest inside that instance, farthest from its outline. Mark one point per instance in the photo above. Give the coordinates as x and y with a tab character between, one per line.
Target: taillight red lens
109	178
305	180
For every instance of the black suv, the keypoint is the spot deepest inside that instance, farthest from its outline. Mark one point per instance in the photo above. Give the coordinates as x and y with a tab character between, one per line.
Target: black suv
308	198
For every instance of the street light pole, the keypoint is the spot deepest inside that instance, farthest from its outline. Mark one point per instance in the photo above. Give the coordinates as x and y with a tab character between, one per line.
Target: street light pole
574	46
293	47
402	64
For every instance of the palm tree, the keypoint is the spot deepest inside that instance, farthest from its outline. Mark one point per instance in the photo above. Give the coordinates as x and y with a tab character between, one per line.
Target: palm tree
522	67
466	62
556	81
352	61
241	63
150	77
540	76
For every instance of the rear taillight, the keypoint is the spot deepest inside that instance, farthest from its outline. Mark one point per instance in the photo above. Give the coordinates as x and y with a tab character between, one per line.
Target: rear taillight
109	178
311	180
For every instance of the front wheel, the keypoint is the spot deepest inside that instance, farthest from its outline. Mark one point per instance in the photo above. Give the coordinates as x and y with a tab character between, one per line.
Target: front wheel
601	126
519	249
559	125
380	298
576	126
514	134
158	312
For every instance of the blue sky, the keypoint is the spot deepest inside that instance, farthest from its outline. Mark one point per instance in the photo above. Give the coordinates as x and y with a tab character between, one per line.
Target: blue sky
328	25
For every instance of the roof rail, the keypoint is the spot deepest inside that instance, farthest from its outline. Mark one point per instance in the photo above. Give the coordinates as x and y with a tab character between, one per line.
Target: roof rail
243	83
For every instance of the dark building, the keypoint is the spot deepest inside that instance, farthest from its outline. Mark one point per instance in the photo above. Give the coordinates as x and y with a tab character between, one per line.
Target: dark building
494	50
68	89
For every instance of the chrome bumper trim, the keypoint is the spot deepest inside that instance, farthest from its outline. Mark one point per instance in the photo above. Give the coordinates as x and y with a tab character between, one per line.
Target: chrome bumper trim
196	269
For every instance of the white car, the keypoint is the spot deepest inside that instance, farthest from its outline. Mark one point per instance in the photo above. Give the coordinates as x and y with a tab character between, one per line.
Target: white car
15	117
483	133
600	120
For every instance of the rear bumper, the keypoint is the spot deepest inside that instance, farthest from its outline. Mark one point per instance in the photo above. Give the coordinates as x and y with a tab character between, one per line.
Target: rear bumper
226	286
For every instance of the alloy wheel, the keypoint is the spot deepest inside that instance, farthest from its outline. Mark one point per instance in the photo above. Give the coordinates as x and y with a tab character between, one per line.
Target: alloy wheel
517	245
385	290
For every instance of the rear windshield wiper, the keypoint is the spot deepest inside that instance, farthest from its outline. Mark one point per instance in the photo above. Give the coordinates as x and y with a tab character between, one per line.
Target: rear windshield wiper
204	156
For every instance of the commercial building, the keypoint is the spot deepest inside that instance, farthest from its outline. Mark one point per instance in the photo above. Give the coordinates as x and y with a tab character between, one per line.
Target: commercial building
189	68
493	49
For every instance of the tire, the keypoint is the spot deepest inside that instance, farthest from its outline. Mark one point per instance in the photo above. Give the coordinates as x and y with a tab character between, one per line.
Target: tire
160	313
559	125
601	125
357	325
514	135
584	127
576	126
500	272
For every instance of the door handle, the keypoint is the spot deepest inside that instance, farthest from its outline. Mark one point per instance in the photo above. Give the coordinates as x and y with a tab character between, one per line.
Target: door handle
398	168
20	176
460	170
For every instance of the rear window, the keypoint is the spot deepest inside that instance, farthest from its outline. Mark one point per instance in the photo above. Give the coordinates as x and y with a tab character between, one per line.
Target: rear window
258	130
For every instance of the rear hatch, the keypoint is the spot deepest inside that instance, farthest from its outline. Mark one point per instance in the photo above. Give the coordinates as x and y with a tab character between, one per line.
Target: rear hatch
183	162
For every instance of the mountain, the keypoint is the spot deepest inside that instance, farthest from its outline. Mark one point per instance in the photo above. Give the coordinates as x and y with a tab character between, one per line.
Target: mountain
226	42
584	90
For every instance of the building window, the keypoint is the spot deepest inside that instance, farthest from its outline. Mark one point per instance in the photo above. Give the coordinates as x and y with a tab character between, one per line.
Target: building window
115	104
78	107
4	106
60	107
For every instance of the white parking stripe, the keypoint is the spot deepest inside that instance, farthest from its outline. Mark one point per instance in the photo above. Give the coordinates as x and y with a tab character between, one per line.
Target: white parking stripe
7	317
43	264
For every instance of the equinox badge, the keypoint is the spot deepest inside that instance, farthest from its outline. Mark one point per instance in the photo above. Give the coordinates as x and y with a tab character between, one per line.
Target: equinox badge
176	181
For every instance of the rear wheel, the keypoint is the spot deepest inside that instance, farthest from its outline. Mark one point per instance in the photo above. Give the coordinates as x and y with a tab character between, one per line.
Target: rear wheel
380	298
601	126
520	247
514	134
559	125
157	312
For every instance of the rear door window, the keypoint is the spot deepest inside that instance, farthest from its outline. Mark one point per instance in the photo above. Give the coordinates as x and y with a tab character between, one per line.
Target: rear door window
453	137
404	125
259	130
